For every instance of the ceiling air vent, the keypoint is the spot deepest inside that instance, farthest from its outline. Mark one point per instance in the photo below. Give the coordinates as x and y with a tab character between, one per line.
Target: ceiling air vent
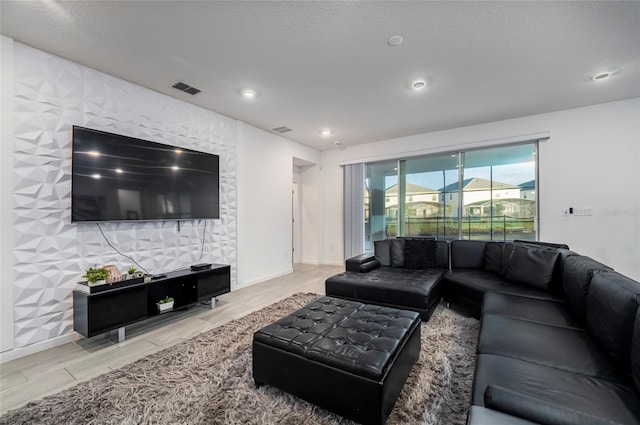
282	129
185	88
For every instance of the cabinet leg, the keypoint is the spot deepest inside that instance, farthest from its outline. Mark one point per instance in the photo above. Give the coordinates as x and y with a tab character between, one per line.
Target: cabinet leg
121	335
214	301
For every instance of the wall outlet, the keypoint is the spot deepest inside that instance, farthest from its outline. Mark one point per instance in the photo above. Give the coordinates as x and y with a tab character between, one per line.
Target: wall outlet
566	212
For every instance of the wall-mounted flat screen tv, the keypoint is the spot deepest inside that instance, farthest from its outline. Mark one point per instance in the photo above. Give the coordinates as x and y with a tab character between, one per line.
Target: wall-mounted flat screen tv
120	178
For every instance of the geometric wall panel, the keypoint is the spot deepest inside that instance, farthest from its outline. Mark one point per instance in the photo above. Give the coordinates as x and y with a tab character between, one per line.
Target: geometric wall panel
52	94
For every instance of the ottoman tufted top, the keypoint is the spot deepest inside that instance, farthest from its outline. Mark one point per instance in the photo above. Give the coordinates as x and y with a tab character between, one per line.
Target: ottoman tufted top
351	336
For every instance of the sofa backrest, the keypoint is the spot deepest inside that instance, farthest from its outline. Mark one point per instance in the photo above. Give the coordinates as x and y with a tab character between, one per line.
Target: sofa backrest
468	254
536	264
413	253
577	272
635	353
612	307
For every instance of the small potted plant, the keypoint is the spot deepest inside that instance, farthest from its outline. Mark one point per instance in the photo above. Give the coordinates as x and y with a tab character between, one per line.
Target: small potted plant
130	271
96	275
165	304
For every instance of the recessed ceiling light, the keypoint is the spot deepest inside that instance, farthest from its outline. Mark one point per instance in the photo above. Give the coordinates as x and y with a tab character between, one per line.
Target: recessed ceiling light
418	84
119	170
248	94
395	40
326	133
601	76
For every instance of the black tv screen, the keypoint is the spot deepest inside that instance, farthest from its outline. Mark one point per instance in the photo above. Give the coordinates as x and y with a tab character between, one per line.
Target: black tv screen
118	178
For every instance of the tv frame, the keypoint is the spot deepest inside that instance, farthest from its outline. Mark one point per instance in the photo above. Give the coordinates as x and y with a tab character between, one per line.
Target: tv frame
148	143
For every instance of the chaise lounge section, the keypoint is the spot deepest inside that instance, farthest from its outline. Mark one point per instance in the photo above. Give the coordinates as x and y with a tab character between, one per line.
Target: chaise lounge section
403	273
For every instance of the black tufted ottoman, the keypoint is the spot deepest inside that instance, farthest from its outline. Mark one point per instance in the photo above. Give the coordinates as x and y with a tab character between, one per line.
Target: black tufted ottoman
345	356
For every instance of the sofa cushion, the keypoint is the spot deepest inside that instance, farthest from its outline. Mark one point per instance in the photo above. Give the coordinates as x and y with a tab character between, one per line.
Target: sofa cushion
467	254
382	251
536	409
493	256
532	266
551	312
576	277
467	287
479	415
569	349
397	252
612	305
584	393
542	244
635	353
420	254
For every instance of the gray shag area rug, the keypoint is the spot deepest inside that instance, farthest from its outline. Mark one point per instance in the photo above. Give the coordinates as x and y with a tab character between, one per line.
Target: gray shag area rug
207	380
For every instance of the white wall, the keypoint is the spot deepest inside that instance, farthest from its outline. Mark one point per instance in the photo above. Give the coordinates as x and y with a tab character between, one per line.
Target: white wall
592	159
265	177
48	253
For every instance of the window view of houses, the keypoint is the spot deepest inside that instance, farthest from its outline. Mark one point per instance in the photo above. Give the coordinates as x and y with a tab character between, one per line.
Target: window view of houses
484	194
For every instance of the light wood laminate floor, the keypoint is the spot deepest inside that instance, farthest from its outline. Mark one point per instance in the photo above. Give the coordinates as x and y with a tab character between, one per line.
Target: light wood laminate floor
47	372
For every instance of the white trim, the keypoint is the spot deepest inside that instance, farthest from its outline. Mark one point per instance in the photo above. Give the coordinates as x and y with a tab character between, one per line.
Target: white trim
542	136
333	263
261	279
39	346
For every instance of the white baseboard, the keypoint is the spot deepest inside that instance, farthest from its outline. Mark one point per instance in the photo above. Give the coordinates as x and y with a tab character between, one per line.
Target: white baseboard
323	263
262	279
16	353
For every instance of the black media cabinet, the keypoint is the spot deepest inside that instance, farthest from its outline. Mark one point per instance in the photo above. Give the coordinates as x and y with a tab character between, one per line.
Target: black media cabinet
94	314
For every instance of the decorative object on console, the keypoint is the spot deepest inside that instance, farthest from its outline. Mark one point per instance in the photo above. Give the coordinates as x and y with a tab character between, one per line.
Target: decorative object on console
131	271
96	276
114	274
201	266
165	304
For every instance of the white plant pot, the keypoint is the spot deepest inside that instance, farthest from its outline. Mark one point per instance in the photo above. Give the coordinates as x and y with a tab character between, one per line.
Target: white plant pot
97	282
162	308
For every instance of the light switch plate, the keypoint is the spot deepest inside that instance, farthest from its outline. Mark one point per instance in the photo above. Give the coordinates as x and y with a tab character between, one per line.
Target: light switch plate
583	211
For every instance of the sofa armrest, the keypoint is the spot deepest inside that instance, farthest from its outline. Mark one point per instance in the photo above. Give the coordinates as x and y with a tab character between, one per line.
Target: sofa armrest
362	263
538	410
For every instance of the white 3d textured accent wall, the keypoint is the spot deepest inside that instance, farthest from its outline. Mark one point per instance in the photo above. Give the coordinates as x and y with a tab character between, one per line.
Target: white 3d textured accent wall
50	254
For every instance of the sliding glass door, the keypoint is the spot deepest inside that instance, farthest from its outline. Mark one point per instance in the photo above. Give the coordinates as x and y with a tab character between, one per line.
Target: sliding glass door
498	192
380	210
431	201
484	194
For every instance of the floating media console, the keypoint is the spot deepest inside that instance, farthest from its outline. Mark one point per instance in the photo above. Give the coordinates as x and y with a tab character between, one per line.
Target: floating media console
97	313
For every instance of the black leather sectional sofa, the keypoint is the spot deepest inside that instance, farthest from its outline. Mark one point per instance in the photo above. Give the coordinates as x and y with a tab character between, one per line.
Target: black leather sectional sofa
559	340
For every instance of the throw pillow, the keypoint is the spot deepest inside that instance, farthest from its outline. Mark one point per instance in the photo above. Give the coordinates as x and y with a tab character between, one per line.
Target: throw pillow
382	252
532	266
493	256
397	252
420	254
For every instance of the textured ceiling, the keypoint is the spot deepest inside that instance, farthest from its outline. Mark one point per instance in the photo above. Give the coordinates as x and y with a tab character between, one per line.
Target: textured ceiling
327	65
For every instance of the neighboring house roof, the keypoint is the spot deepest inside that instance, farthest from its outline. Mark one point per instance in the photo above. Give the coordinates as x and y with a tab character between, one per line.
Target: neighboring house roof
505	201
411	189
530	185
477	183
